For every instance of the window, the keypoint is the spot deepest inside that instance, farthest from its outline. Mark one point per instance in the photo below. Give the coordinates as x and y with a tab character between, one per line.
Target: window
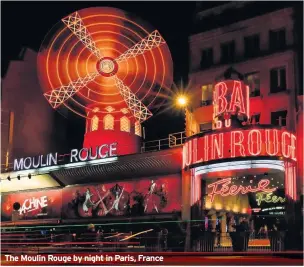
205	126
207	94
277	80
277	39
252	45
108	122
278	118
207	58
255	119
137	128
228	52
94	125
124	124
253	80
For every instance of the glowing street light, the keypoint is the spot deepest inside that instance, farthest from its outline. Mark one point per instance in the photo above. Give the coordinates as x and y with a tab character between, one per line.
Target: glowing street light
182	101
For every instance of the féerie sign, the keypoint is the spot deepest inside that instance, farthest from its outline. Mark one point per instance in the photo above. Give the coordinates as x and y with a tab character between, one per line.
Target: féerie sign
225	188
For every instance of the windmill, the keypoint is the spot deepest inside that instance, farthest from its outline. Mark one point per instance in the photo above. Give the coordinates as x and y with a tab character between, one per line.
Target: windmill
104	65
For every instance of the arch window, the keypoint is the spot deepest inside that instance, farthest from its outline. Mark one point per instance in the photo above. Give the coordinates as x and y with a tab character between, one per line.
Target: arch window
137	128
94	124
124	124
108	122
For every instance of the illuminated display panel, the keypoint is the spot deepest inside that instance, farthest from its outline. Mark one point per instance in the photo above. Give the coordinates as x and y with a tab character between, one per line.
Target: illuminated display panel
127	198
240	143
251	194
155	195
33	205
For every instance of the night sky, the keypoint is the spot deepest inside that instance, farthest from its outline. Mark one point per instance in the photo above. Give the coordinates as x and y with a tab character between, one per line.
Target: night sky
25	24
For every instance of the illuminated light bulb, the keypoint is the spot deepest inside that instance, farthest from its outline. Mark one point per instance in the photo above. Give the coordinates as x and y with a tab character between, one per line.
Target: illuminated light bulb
182	101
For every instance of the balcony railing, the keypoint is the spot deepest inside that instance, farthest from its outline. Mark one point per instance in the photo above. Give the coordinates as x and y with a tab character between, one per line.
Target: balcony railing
174	140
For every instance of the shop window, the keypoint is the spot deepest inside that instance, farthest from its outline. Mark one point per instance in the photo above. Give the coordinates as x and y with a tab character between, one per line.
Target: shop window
278	118
94	124
207	94
124	124
252	45
137	128
228	52
108	122
207	58
205	126
253	80
277	39
255	119
277	80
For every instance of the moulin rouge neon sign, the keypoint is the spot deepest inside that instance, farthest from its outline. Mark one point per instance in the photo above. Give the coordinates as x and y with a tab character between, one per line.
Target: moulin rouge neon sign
230	96
245	143
224	188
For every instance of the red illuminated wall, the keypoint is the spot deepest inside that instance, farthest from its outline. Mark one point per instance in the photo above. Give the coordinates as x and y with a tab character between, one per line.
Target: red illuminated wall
134	198
127	143
34	205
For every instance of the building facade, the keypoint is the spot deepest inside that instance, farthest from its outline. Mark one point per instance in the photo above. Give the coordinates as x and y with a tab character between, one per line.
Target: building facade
263	48
241	158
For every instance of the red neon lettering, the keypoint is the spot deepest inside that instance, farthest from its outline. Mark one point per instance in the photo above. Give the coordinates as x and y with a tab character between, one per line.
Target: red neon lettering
234	143
247	100
189	153
258	142
293	147
237	99
218	125
272	142
220	101
217	144
285	153
184	155
222	188
206	148
227	123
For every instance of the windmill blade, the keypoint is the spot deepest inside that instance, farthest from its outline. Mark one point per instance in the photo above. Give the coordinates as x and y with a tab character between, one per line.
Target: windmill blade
76	25
153	40
58	96
137	108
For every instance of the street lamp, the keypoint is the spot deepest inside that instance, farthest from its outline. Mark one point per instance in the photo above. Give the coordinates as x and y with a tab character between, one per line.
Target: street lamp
182	101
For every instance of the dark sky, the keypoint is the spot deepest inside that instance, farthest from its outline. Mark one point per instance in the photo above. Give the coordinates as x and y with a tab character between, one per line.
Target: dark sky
24	24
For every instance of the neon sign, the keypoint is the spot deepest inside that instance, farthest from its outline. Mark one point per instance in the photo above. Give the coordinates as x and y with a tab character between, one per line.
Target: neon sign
268	198
32	204
230	97
224	188
240	143
76	155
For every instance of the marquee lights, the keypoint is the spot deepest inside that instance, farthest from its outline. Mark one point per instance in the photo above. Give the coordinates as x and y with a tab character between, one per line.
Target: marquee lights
232	144
224	188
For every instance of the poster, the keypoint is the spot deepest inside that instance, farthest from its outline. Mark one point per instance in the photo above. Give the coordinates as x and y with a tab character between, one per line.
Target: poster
125	198
31	205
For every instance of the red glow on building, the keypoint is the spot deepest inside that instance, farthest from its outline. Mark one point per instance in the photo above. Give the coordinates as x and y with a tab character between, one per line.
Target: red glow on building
237	143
